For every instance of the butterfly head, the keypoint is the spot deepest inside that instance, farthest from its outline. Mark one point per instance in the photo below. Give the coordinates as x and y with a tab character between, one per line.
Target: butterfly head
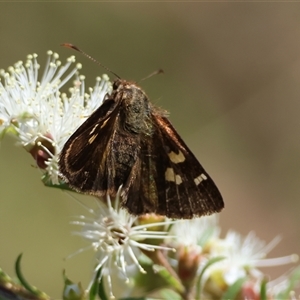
134	106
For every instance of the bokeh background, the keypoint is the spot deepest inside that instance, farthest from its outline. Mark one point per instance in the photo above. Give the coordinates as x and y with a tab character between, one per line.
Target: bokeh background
231	83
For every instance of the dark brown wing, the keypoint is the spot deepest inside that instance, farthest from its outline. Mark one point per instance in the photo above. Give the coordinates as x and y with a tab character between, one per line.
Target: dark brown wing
93	160
171	182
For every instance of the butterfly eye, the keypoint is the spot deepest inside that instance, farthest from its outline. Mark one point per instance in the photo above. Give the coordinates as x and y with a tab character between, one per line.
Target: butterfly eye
116	84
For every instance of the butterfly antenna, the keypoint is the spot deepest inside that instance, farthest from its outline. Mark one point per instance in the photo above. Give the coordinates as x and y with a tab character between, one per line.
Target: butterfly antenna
67	45
159	71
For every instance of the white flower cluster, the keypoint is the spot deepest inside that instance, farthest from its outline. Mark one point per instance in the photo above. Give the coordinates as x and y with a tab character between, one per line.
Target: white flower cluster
119	242
119	239
38	114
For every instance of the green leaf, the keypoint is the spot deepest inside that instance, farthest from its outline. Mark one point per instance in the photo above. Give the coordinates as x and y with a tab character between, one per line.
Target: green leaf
62	185
101	290
234	289
168	294
72	291
294	280
33	290
4	278
94	288
150	281
8	130
171	280
199	281
97	287
135	298
263	290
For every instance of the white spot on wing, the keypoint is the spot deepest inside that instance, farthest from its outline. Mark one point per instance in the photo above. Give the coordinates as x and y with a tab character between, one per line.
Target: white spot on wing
176	158
94	128
200	178
92	138
203	176
170	176
104	123
178	179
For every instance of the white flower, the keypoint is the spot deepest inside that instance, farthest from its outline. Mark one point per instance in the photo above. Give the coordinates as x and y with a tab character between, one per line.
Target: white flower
191	244
118	239
197	231
243	257
38	114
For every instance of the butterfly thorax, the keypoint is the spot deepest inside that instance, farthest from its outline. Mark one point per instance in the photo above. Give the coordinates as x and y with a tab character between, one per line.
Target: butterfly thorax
134	115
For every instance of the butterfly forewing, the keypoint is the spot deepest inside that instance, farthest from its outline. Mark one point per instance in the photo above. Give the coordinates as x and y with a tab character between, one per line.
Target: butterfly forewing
92	167
194	190
86	148
172	181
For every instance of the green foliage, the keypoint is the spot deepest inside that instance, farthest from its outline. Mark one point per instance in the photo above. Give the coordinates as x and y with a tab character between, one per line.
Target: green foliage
72	291
18	289
292	283
168	278
31	289
199	281
263	290
62	185
234	289
168	294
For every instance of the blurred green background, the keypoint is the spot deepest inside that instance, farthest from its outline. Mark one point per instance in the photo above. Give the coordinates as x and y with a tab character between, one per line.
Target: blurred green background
231	84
